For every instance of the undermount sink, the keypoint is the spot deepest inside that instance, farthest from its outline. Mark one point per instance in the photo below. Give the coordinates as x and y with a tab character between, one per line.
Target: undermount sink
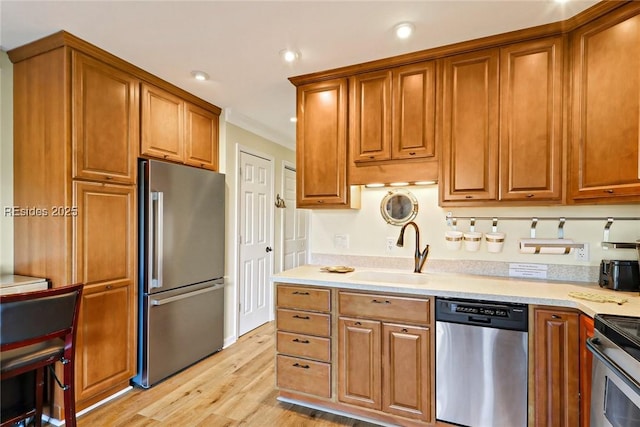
391	277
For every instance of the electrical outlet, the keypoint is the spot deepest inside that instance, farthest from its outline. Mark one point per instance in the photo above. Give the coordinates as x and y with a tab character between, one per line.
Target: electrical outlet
341	241
582	254
391	242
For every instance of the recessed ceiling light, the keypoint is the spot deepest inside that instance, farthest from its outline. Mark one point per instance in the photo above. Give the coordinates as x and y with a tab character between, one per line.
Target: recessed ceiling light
374	185
404	30
398	184
290	55
200	75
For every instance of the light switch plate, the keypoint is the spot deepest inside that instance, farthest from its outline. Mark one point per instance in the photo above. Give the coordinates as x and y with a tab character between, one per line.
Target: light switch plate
341	241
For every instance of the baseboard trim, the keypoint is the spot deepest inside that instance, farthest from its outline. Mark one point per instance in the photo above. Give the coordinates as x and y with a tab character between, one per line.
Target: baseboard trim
57	422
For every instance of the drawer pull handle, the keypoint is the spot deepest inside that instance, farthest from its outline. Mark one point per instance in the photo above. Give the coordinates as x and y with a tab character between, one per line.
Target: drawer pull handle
301	317
301	341
297	365
300	293
555	316
405	330
375	301
358	324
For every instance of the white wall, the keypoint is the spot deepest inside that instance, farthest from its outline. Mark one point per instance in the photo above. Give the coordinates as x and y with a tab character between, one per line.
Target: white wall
368	231
6	162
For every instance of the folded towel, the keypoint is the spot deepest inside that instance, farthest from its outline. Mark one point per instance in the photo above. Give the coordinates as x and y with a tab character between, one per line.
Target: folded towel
545	246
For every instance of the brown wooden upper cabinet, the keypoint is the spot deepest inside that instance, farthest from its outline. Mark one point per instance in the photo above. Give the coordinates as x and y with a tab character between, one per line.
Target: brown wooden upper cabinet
605	133
174	129
531	120
105	121
392	113
321	150
502	130
469	160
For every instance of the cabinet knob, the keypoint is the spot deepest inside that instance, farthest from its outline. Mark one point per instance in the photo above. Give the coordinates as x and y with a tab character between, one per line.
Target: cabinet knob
109	287
555	316
320	201
412	154
468	197
529	195
405	330
108	177
610	191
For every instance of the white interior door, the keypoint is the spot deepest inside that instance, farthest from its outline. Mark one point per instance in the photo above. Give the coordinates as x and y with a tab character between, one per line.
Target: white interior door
256	213
295	226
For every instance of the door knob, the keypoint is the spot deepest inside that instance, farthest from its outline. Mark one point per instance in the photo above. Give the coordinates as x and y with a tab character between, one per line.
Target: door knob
269	249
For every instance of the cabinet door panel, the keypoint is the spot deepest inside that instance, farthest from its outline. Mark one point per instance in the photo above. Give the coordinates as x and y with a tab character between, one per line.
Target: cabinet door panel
605	136
556	368
414	109
321	151
201	140
470	127
531	120
370	116
105	233
105	121
105	353
162	124
407	371
359	363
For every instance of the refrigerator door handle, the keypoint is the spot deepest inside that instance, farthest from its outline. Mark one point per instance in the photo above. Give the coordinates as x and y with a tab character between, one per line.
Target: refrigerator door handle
183	296
156	238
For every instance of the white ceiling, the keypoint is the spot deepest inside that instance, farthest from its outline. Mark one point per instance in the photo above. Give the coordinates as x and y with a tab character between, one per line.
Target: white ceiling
237	42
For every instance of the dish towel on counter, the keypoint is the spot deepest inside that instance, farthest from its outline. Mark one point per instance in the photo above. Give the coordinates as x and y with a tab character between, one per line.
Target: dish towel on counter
545	246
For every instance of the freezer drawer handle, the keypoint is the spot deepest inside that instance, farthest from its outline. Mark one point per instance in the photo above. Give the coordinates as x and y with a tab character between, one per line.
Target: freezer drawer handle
297	365
301	341
183	296
301	317
300	293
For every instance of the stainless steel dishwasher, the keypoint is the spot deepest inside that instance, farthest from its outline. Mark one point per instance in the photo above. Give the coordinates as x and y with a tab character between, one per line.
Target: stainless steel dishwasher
481	363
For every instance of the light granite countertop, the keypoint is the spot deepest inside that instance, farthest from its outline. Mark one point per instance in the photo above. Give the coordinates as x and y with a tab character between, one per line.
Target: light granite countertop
502	289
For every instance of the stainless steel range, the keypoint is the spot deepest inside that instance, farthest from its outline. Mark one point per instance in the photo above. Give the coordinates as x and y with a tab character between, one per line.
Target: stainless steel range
615	392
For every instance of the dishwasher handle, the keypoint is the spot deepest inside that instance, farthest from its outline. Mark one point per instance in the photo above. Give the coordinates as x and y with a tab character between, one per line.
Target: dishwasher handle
478	319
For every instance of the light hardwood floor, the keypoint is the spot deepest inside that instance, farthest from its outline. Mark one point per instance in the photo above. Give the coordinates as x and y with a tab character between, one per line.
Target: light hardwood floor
235	387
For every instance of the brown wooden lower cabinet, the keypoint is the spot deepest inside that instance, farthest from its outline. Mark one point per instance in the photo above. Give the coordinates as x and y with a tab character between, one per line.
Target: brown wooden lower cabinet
359	363
105	356
555	367
385	367
586	331
406	355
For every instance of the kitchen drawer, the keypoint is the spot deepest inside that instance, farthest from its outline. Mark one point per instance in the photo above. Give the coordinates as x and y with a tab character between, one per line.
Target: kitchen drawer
304	298
384	307
304	346
304	322
303	375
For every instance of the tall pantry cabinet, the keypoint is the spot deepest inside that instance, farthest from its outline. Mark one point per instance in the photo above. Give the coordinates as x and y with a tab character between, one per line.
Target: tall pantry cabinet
76	122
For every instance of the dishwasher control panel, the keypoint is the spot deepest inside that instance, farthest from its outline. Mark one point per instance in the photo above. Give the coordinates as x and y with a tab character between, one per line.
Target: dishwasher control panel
492	314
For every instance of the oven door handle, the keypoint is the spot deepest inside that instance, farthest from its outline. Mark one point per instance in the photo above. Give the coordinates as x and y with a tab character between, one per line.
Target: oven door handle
592	345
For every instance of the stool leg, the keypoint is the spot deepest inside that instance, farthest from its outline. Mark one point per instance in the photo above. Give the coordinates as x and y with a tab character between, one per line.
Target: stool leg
69	394
39	396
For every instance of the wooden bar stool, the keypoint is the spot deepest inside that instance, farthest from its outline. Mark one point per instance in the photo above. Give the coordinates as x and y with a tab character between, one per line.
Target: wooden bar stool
38	329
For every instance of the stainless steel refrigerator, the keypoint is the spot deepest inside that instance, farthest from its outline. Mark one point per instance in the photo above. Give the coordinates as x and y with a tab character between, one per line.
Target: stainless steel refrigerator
181	266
